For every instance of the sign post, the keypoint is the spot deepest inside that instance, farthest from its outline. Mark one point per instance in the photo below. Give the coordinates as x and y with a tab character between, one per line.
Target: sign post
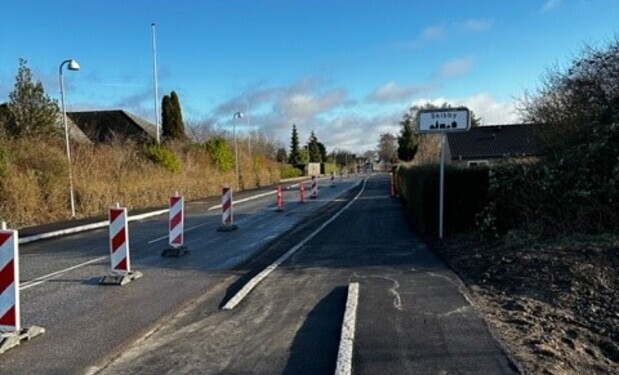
442	121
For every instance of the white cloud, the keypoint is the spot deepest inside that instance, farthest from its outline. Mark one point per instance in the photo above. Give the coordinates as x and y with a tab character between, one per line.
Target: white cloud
306	104
455	68
434	33
550	5
477	24
485	106
391	92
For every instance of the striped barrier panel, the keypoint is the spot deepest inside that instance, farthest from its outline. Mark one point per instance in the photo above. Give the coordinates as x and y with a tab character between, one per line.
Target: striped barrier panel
120	259
280	199
119	240
227	218
302	192
11	332
314	188
176	228
9	281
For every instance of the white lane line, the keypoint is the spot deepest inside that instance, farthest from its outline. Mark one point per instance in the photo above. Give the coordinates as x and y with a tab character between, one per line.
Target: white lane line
86	227
238	297
347	338
166	237
244	199
101	224
42	279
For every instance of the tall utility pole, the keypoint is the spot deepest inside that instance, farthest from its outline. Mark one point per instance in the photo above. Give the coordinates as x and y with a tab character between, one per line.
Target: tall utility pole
157	124
248	129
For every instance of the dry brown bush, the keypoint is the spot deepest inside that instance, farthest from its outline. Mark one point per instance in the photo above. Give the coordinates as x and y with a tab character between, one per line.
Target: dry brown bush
35	188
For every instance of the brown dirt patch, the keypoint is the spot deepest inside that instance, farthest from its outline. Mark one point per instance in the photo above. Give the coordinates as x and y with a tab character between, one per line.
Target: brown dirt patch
555	303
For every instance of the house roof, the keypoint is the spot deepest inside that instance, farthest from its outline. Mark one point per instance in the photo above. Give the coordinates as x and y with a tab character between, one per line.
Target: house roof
494	141
108	125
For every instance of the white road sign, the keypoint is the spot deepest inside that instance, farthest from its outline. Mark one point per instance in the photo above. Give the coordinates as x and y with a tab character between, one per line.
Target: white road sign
443	120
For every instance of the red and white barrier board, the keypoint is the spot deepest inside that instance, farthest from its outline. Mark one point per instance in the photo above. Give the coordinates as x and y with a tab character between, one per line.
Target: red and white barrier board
11	331
177	221
227	219
9	282
176	228
280	199
314	188
119	250
302	192
119	240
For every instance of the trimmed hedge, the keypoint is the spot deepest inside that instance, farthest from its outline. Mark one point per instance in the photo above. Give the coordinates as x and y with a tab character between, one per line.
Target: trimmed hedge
163	157
289	171
466	192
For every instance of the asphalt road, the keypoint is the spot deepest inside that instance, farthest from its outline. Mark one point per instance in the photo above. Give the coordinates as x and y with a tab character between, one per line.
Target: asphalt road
413	316
88	324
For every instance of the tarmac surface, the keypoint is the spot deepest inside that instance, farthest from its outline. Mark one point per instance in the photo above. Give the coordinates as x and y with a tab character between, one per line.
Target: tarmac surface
87	324
413	313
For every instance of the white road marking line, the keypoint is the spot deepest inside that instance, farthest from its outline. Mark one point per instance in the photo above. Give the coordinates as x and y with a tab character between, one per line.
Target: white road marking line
247	288
40	280
347	337
244	199
166	237
397	300
101	224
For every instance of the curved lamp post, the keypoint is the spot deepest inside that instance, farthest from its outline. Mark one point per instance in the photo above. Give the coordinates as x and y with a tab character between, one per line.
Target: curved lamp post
72	65
236	149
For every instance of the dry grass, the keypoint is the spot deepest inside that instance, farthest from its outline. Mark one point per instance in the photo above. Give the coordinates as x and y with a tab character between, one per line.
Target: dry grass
35	187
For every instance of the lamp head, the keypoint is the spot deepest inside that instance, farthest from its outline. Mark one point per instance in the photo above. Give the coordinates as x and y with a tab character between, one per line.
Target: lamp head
238	115
73	65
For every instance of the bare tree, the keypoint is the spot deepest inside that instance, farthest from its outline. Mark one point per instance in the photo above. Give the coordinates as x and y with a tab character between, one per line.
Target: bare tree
387	148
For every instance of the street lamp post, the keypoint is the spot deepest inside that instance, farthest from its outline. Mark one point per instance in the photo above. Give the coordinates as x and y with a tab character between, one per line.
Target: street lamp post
73	65
236	148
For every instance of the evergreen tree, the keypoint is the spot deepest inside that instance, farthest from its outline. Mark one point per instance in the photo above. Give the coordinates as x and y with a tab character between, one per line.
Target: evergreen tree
177	127
172	126
166	116
295	157
314	149
30	112
408	140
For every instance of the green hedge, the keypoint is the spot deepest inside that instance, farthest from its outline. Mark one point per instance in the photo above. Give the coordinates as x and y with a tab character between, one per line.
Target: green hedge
289	171
163	157
466	192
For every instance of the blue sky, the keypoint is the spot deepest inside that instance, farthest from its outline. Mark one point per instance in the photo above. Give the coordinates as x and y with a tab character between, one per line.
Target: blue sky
346	69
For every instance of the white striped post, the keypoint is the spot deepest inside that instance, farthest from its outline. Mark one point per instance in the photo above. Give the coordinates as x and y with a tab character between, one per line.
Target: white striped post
119	240
176	228
314	188
280	199
9	281
11	331
227	218
120	259
302	192
177	221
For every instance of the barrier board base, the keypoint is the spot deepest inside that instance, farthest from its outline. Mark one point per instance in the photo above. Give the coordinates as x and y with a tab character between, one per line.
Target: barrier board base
313	197
175	251
279	210
9	340
120	279
227	228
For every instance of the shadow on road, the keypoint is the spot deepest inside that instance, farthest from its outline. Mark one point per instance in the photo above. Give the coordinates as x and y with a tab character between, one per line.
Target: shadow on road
314	349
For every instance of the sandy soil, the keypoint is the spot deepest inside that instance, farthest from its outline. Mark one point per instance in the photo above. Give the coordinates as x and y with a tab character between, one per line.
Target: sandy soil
555	304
